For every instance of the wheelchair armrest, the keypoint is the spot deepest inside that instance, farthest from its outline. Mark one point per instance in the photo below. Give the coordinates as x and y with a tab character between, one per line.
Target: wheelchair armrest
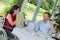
2	31
55	38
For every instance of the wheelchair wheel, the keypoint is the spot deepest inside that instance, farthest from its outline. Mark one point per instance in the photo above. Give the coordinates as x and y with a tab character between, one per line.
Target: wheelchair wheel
15	38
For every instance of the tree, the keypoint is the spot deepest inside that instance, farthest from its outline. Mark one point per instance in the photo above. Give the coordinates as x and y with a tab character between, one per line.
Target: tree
50	2
45	5
57	21
33	2
13	2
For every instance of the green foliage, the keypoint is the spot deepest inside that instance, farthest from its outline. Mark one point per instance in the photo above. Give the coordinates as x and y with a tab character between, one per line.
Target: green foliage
7	9
59	0
30	6
8	4
33	2
16	2
33	7
50	2
57	19
5	1
24	14
47	4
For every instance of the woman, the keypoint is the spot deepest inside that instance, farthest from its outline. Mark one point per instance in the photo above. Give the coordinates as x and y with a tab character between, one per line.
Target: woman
10	20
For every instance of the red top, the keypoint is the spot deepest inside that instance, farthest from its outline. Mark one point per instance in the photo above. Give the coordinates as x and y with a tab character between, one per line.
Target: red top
8	24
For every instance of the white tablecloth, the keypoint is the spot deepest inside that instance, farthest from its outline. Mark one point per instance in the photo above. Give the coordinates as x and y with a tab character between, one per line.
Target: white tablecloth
23	34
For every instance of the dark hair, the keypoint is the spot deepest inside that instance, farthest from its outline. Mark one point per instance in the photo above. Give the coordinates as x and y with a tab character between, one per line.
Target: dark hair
49	15
15	7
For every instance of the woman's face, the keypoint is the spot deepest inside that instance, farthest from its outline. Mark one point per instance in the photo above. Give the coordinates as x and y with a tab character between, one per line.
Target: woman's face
16	11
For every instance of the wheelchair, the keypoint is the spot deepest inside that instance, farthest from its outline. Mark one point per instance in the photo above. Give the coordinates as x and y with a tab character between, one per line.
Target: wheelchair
3	34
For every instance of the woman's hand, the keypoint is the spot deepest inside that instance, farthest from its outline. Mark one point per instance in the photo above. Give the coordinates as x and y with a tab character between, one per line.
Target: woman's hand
19	19
9	18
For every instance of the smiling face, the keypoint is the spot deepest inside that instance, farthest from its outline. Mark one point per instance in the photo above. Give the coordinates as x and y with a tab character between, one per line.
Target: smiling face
16	11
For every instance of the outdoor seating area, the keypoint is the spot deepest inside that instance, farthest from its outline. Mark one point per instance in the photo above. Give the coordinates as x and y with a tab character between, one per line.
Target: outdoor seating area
32	24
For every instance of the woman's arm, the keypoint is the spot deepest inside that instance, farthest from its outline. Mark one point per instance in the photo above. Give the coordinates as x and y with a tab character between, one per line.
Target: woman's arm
13	22
52	28
9	18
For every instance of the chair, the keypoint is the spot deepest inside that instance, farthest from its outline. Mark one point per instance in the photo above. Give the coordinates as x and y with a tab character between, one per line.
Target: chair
3	35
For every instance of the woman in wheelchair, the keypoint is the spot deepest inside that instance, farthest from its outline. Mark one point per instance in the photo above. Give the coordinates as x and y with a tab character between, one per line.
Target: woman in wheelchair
10	20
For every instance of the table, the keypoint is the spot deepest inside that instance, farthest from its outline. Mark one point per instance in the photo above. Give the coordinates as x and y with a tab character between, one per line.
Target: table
24	34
